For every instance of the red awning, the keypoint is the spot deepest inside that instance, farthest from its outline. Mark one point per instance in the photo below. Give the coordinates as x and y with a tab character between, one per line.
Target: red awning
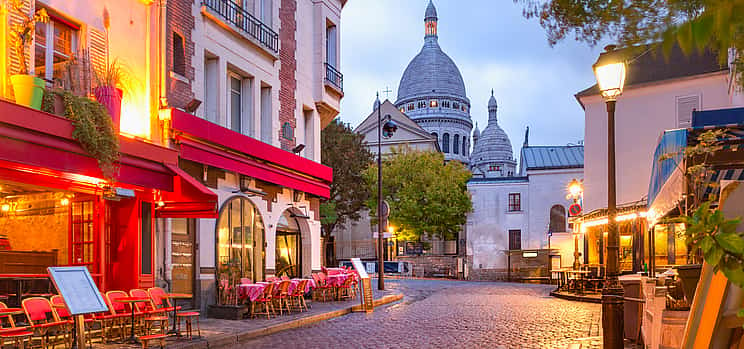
189	199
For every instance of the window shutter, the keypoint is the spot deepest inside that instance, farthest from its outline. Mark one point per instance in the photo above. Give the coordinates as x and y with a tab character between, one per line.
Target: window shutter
685	106
97	49
14	60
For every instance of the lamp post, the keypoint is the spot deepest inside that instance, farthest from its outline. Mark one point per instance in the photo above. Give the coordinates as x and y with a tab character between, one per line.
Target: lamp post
389	130
610	72
575	191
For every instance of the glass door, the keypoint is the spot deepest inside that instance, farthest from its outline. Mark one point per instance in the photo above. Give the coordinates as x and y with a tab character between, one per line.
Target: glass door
182	255
83	234
287	254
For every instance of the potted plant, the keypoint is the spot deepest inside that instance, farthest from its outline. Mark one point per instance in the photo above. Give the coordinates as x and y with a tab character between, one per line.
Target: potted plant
107	91
27	89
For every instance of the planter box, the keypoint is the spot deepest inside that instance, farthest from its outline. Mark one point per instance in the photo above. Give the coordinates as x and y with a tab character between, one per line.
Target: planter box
228	312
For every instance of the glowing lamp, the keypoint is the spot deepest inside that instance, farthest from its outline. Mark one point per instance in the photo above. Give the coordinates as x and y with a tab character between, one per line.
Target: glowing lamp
5	207
64	201
161	204
165	114
575	188
610	73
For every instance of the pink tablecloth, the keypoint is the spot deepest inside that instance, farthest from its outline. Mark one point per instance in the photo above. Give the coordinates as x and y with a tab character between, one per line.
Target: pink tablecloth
337	280
335	271
251	291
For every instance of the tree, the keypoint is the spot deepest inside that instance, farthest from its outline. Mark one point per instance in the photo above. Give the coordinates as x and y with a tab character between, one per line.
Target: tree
344	151
692	24
427	196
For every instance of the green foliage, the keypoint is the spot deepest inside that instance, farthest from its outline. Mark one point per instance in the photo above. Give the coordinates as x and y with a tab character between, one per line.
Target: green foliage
427	196
93	128
23	33
692	24
344	151
719	241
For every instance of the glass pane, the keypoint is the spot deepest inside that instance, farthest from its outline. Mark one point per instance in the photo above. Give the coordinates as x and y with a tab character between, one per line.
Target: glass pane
287	255
248	217
661	245
62	39
236	253
223	242
235	98
680	247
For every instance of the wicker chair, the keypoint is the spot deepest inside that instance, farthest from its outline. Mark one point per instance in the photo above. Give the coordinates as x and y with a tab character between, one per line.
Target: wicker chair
267	300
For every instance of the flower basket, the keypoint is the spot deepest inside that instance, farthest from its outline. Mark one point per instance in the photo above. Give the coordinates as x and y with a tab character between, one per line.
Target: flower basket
110	97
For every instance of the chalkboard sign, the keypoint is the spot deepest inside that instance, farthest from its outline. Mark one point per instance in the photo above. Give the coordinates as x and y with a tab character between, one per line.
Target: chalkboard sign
77	288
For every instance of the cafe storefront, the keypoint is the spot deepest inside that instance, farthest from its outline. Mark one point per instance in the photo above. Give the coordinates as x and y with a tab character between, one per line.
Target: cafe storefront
56	209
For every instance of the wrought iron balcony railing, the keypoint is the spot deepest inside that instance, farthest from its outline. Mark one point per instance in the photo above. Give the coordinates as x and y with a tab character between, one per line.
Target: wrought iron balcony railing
250	25
334	77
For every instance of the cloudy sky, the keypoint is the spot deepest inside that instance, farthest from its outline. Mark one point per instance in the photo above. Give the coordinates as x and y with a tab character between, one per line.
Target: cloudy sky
494	47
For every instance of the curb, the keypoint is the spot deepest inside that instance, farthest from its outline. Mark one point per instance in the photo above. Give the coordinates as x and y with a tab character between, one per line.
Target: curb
576	298
235	338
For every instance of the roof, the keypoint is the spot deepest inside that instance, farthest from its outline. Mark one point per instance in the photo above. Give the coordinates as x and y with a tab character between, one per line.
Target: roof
648	64
552	157
513	179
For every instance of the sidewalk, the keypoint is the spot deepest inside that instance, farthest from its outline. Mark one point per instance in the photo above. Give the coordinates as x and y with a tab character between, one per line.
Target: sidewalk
217	332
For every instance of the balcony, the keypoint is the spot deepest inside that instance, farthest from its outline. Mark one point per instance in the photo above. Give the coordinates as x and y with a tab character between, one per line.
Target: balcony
334	77
241	21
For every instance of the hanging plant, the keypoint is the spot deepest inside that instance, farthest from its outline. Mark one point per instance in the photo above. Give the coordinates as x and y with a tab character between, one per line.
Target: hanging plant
93	128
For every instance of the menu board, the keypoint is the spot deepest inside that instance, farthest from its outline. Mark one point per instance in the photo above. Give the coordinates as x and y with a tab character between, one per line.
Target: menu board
367	298
77	288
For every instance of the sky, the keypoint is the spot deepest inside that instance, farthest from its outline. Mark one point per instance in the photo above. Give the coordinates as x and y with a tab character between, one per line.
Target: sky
494	46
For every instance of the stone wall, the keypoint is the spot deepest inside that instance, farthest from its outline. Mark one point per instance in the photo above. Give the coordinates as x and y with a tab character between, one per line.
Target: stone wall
432	266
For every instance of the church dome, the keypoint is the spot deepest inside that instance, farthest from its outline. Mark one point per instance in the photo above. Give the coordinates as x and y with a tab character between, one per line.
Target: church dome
431	72
492	151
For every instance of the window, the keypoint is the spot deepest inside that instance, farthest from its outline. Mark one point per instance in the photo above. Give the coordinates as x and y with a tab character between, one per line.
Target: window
402	110
265	12
515	239
421	104
54	42
410	106
685	106
236	97
266	115
240	235
558	219
179	60
445	104
455	105
494	167
464	146
211	86
287	131
515	202
456	145
331	56
445	143
436	136
433	103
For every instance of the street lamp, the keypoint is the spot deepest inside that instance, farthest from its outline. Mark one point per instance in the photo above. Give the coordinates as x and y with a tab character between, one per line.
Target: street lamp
389	129
610	72
576	191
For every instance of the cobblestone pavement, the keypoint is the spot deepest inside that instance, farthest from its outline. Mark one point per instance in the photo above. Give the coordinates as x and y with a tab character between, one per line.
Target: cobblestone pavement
453	314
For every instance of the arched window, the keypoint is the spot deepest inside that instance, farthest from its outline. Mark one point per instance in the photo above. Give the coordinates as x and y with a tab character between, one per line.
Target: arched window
456	145
558	219
435	136
464	146
239	229
421	104
445	143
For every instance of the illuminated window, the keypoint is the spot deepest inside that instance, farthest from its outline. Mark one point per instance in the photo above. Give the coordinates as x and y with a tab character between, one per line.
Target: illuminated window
433	103
402	110
54	42
515	202
410	106
239	229
493	167
421	104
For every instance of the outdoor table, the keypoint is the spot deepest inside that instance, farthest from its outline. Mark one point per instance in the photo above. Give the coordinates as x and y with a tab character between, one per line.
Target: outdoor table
309	286
175	297
334	271
337	279
131	301
19	279
251	291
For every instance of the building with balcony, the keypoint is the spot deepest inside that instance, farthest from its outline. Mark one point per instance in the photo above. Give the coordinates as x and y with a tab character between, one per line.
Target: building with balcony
249	85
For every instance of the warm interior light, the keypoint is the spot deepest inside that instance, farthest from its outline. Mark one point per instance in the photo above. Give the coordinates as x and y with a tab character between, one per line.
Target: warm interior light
5	207
64	201
161	203
165	114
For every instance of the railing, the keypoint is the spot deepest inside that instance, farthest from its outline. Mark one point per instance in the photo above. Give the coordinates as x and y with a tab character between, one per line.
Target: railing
246	22
334	76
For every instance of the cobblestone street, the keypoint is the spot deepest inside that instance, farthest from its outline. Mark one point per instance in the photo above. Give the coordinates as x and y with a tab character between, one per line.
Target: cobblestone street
452	314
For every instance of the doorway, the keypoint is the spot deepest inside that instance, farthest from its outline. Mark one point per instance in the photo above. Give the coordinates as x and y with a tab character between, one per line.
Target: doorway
182	255
288	247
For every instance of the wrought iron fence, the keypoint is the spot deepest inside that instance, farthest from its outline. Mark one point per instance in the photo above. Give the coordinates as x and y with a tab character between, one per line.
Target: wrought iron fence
334	76
239	17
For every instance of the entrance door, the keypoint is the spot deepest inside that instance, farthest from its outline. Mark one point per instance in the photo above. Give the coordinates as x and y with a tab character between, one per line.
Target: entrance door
84	239
288	250
182	255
